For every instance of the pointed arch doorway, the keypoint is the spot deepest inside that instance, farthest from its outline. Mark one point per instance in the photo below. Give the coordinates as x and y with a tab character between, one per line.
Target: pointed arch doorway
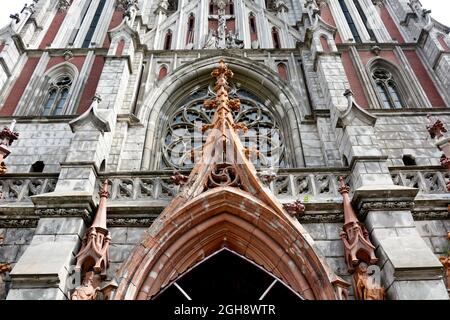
227	276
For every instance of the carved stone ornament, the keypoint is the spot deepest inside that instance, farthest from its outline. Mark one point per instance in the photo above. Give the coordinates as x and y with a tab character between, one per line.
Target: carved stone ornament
376	50
385	205
5	267
18	223
295	209
366	287
130	222
89	289
378	3
436	128
68	55
224	175
64	212
179	179
64	5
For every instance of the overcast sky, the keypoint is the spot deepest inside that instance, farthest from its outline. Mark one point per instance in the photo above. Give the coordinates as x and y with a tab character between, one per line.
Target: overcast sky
440	9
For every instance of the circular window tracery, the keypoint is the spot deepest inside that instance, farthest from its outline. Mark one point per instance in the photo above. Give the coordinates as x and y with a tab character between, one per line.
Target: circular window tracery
182	133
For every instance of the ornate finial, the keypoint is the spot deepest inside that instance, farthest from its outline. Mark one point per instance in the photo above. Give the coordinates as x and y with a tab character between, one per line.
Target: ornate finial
295	209
354	235
93	258
96	241
343	188
179	179
436	129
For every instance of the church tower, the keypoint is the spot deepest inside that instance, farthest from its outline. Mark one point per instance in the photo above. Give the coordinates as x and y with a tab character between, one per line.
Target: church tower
147	144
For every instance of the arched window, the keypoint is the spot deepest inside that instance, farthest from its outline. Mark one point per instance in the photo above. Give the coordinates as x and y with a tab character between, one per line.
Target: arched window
231	8
168	40
443	43
253	28
120	47
324	43
181	134
190	29
276	38
387	89
57	95
282	71
162	73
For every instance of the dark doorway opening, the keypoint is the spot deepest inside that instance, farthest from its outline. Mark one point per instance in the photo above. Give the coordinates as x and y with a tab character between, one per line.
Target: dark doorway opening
227	276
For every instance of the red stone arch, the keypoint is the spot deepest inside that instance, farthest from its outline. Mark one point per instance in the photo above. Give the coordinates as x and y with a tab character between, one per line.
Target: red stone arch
223	217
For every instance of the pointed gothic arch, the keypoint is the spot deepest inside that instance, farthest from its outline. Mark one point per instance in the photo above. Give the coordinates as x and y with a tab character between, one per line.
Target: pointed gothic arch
48	81
389	84
259	79
235	220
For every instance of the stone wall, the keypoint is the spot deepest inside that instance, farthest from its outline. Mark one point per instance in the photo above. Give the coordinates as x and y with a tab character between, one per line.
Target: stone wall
39	141
327	240
434	232
16	240
407	135
124	239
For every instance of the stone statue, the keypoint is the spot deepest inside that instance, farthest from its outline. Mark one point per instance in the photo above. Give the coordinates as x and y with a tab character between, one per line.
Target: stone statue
88	290
211	41
233	42
365	288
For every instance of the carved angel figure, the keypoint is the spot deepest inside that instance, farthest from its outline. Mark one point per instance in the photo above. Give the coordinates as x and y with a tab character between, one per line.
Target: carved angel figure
365	288
87	291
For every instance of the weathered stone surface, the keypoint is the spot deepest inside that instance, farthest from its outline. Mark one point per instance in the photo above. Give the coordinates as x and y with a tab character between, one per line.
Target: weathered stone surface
36	294
18	236
409	252
118	235
431	228
46	258
333	230
388	219
53	226
134	235
418	290
118	252
332	248
8	253
316	230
